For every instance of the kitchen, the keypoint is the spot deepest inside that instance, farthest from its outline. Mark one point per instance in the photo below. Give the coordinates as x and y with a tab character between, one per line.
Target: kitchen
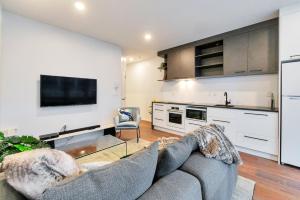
252	124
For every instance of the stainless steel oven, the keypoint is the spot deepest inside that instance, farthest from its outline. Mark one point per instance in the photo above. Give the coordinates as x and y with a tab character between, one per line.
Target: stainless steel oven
176	115
196	113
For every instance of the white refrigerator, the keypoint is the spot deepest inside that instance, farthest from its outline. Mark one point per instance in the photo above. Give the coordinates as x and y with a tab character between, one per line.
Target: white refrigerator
290	113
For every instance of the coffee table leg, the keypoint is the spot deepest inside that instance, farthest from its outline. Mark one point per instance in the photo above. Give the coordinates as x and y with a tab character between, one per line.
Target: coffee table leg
126	148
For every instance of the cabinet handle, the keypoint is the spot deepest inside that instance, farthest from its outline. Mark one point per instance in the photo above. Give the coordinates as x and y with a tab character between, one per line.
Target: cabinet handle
294	98
216	120
255	138
158	119
195	124
158	110
295	56
257	114
239	72
256	70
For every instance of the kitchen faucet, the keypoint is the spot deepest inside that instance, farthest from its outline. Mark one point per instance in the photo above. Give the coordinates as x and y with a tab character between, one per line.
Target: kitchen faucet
226	99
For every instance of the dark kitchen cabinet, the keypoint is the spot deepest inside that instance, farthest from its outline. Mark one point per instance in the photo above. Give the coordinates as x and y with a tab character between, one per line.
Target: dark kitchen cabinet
181	63
235	54
249	50
263	50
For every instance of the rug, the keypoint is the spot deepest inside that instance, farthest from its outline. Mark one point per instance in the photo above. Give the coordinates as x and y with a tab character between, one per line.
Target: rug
244	189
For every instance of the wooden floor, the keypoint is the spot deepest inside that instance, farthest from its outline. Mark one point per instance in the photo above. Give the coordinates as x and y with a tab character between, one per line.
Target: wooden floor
273	181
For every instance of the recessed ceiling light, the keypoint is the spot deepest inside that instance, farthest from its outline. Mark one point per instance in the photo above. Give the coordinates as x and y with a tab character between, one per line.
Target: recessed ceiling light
148	36
79	6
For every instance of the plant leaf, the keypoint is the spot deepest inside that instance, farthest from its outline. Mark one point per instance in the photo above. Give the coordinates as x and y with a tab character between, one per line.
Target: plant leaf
1	135
22	148
29	140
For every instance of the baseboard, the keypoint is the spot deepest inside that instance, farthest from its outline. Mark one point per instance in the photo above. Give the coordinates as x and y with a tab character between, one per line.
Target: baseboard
257	153
169	131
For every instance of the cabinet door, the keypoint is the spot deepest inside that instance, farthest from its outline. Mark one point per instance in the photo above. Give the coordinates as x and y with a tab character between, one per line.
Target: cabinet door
263	51
181	63
173	64
235	54
187	63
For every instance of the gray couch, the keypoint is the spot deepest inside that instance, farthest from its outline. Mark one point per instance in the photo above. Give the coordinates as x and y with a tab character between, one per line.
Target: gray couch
178	172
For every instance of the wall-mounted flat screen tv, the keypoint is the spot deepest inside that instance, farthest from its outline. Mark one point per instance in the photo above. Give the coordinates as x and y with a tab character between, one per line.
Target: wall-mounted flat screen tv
65	91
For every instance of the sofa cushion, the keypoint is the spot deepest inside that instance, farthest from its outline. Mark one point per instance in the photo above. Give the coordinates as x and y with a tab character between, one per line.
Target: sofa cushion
125	179
174	155
175	186
217	179
129	124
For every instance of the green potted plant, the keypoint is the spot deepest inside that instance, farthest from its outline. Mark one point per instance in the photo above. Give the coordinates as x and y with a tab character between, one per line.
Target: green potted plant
16	144
163	66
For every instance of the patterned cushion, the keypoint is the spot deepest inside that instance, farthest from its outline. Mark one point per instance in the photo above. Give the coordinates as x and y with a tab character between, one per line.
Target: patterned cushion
125	116
32	172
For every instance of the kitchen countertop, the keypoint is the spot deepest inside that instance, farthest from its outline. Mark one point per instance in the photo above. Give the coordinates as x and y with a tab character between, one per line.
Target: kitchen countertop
238	107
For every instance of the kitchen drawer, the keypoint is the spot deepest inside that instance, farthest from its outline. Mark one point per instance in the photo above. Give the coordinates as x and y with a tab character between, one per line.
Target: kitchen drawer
228	124
159	106
159	113
191	125
263	125
159	122
223	113
258	143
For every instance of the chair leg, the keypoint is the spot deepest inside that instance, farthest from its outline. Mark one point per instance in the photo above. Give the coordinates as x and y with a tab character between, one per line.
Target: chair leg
137	135
120	134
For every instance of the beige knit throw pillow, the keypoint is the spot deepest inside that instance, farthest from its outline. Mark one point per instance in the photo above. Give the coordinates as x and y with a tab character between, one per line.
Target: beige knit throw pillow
32	172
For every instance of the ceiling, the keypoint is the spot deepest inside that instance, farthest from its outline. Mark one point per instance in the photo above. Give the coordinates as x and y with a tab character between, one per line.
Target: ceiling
171	22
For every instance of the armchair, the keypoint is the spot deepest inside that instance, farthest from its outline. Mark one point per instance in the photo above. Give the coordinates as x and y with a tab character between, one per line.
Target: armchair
129	125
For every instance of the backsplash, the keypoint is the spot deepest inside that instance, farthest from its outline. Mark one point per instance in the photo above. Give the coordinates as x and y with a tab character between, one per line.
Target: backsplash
250	90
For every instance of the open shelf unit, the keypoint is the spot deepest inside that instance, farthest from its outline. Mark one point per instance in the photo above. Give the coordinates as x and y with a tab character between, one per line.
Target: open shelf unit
209	59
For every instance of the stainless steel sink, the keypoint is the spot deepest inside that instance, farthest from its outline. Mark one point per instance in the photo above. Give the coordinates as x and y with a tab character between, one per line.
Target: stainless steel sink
224	106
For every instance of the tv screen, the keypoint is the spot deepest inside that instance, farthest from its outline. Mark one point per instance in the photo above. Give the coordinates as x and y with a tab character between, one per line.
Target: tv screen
64	91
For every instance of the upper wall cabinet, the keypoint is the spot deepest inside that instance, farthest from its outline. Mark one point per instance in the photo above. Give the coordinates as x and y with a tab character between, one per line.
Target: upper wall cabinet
263	50
247	51
254	52
236	54
181	63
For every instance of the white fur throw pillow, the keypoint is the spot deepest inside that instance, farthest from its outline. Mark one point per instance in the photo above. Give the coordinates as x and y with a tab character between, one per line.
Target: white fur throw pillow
32	172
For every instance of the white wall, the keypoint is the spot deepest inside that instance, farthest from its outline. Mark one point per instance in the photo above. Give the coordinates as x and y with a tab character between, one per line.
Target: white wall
142	87
31	48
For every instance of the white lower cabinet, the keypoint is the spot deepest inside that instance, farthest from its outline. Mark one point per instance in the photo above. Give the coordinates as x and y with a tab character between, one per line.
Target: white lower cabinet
191	125
226	118
159	115
258	131
253	130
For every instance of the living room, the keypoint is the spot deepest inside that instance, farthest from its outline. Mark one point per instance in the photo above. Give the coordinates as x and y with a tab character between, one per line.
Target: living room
149	99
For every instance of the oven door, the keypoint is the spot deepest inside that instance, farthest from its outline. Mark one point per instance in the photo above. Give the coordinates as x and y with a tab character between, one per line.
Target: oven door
175	119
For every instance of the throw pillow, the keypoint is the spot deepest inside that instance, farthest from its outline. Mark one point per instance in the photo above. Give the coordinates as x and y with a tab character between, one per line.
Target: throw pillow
166	141
125	179
174	155
31	172
125	116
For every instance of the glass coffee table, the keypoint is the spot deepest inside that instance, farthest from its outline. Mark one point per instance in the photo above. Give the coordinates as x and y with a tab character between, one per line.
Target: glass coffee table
104	148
